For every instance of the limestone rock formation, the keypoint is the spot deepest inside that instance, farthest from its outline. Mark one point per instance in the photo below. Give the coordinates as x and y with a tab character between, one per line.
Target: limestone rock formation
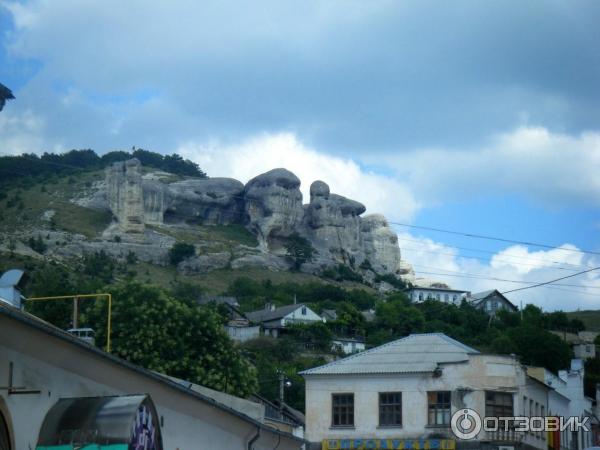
211	201
273	205
269	205
380	244
332	224
125	196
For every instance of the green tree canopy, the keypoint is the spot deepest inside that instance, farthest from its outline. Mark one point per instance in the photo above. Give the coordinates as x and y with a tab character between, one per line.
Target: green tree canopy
175	337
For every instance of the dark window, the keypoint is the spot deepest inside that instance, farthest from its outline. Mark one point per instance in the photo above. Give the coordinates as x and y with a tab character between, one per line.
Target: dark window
438	407
498	404
304	310
390	409
343	410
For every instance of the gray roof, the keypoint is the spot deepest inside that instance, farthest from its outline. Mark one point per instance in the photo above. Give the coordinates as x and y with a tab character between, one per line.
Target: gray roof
482	295
478	297
416	353
266	315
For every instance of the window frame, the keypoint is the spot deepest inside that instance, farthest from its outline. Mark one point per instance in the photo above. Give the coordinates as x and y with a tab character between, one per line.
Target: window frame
348	413
488	404
390	410
439	407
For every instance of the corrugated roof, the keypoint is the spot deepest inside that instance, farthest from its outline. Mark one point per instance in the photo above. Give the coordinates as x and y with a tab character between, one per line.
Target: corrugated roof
412	354
265	315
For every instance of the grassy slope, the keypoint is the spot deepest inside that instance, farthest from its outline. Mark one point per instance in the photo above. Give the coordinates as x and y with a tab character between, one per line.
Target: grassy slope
591	319
39	195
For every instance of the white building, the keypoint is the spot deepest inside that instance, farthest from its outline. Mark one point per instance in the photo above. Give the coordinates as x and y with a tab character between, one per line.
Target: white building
419	294
348	346
404	393
44	370
273	320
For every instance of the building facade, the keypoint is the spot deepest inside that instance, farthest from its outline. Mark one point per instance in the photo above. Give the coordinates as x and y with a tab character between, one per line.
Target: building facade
403	395
274	320
42	366
419	294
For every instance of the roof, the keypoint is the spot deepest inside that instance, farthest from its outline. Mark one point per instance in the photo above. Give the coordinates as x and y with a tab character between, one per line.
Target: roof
44	327
478	297
266	315
416	353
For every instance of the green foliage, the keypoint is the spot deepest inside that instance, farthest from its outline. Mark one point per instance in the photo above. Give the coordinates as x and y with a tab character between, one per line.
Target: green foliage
37	244
342	272
390	279
314	336
190	345
299	249
187	292
181	251
100	266
50	164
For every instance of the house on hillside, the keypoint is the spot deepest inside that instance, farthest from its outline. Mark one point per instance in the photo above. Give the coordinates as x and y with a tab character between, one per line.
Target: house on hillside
491	302
238	326
419	294
273	320
582	343
348	345
403	395
329	315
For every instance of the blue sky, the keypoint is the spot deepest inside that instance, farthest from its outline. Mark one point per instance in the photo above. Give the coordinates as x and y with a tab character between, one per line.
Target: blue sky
473	116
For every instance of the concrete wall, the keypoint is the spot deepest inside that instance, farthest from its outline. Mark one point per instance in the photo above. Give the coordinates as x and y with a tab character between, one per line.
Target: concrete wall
61	369
468	383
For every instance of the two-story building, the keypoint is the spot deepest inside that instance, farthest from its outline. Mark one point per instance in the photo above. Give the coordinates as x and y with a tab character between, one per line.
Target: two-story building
491	302
419	294
403	395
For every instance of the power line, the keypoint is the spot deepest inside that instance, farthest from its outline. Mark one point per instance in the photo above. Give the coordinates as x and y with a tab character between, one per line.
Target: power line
552	281
493	238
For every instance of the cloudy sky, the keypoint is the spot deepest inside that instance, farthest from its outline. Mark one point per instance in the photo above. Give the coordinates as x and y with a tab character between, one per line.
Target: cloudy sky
478	117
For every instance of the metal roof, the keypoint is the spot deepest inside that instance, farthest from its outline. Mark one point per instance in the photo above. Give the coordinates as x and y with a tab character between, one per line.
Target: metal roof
11	278
416	353
266	315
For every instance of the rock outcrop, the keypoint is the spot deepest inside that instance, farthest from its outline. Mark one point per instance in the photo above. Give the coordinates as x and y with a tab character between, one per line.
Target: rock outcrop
125	194
273	205
270	206
212	201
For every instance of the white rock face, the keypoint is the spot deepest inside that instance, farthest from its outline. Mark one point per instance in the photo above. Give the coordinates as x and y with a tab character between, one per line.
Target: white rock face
270	206
380	244
332	224
273	205
125	196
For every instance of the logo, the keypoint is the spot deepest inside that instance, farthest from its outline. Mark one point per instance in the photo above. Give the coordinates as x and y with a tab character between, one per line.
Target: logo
465	424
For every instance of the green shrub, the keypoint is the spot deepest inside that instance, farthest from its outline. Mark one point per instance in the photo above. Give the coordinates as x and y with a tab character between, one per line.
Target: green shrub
181	251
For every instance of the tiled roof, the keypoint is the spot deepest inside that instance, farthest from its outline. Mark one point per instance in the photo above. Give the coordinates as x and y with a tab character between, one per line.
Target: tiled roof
413	354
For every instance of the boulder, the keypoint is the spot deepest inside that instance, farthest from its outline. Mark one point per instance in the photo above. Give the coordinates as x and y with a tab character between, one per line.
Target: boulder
332	224
380	244
273	205
210	201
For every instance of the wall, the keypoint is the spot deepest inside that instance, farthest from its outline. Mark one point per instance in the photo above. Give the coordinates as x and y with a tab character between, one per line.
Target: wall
467	381
61	369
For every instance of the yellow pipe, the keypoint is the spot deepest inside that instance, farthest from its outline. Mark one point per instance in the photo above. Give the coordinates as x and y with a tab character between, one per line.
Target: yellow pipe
64	297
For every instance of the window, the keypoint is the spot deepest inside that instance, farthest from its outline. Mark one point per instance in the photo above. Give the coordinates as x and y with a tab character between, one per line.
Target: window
495	305
420	296
304	310
390	409
498	404
438	407
454	298
446	298
437	296
342	410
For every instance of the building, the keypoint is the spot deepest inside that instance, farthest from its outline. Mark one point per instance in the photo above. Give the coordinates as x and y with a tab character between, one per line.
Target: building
56	387
492	301
329	315
273	320
582	343
348	346
404	393
443	294
567	399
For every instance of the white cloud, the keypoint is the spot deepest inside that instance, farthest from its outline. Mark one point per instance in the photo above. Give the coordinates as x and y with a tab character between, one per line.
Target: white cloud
511	268
256	155
555	169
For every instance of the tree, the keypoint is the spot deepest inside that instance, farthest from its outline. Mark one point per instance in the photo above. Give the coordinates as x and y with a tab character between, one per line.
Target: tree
299	249
154	330
181	251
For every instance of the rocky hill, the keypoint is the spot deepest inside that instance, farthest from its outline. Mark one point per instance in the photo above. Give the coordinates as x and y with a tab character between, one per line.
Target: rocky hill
144	212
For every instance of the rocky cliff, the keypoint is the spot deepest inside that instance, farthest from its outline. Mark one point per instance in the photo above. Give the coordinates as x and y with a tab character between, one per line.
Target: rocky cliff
270	206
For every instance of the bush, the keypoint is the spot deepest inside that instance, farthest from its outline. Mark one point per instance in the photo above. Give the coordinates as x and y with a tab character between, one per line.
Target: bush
37	244
181	251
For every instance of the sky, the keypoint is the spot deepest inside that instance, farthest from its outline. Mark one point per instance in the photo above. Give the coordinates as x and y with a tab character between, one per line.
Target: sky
476	117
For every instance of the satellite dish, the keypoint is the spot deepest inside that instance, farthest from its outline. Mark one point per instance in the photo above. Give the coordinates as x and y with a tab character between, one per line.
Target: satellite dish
9	292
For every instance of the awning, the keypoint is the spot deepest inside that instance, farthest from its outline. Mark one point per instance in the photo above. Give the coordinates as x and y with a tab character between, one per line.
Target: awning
125	422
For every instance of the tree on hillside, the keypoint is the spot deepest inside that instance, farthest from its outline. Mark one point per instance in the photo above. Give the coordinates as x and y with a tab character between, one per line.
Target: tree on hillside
160	333
181	251
299	249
